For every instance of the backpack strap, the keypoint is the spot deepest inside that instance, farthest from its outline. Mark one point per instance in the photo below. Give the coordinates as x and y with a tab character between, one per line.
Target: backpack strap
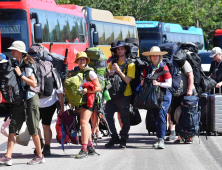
154	77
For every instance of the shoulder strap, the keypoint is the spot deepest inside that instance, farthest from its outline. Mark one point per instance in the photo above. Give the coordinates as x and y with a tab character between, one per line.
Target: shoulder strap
158	74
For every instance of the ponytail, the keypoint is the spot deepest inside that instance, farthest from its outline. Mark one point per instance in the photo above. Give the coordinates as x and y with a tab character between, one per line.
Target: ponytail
27	58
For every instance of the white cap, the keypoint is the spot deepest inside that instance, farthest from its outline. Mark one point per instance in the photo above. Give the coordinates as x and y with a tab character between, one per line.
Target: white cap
215	51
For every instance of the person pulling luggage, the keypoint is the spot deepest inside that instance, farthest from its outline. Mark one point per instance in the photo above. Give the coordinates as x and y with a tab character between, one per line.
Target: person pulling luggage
164	81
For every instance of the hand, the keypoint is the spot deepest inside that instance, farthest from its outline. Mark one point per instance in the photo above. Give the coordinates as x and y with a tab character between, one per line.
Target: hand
116	68
84	91
189	93
155	83
142	82
60	112
18	71
218	85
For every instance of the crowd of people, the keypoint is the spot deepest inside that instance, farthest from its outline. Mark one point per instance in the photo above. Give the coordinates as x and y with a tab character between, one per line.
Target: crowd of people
43	109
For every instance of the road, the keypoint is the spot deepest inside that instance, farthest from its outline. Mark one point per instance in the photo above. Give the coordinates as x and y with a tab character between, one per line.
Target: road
202	154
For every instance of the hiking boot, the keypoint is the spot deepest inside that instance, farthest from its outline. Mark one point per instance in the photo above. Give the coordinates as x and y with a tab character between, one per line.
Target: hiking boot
122	143
112	142
82	154
155	145
36	160
161	144
46	150
42	145
91	150
4	160
189	140
171	137
99	135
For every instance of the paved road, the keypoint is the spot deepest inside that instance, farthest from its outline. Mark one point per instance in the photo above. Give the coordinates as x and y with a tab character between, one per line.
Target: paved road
203	154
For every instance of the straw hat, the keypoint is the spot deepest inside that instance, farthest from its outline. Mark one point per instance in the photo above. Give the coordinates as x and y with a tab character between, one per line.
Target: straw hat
155	50
82	54
19	46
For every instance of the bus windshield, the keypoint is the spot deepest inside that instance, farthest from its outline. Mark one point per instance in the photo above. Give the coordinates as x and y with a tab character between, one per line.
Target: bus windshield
217	41
147	40
13	26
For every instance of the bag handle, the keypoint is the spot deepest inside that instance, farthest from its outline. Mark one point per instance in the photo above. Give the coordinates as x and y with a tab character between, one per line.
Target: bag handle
219	90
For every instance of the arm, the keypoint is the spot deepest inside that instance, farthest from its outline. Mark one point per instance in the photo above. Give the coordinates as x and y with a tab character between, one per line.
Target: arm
97	87
29	80
166	84
190	83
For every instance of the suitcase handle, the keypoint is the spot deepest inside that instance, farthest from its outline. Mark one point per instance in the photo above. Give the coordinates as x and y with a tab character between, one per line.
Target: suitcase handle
219	90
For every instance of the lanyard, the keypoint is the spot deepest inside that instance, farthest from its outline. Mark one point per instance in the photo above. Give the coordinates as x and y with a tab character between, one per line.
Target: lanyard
216	68
153	70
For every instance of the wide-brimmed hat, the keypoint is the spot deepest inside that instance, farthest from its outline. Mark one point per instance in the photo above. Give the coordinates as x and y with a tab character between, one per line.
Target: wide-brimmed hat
19	46
82	54
215	51
155	50
121	44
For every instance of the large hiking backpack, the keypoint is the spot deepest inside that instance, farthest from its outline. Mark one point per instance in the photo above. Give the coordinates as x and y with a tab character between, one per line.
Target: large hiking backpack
175	70
195	61
189	120
10	83
98	62
73	90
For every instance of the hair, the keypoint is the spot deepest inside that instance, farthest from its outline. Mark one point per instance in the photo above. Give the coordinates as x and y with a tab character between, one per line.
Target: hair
27	58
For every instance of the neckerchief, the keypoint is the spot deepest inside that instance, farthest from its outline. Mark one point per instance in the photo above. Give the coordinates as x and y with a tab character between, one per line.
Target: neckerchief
153	70
216	68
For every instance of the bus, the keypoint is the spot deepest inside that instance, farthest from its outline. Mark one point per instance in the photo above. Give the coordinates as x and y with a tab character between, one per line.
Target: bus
217	39
45	22
110	28
154	33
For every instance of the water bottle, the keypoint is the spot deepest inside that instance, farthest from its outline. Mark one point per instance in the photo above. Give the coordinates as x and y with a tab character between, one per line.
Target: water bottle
106	95
138	87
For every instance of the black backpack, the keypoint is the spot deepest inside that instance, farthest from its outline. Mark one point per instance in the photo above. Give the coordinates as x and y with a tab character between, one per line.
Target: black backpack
10	83
195	61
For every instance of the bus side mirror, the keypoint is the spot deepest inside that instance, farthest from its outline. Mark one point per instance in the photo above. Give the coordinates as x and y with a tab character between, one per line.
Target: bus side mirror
38	33
95	38
208	44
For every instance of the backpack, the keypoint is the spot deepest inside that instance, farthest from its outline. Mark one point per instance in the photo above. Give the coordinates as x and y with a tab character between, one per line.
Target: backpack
73	91
98	62
175	70
10	83
195	61
188	125
59	134
47	77
118	84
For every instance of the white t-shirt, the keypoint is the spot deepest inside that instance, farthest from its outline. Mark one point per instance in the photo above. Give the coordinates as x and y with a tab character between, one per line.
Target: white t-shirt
49	101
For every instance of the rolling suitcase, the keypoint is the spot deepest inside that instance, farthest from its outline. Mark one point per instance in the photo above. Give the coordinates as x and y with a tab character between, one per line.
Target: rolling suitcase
151	120
214	116
204	104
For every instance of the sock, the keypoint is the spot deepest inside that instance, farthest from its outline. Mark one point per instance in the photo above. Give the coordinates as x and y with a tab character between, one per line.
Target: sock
172	133
90	144
84	147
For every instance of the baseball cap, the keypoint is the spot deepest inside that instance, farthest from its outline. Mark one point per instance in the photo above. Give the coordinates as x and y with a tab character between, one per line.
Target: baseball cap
19	46
215	51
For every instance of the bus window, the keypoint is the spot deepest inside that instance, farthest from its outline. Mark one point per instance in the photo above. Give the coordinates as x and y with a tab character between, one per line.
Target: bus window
125	32
52	25
117	33
73	30
135	33
13	26
84	28
170	37
131	32
101	32
43	19
80	30
109	35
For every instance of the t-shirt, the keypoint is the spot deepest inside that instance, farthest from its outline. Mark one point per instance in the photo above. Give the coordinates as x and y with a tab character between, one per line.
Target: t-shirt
130	73
161	78
214	65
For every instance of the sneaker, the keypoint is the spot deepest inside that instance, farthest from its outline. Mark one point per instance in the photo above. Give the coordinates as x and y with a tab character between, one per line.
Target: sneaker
177	140
94	137
91	151
82	154
6	160
155	145
161	144
171	137
99	135
189	140
112	142
46	150
36	160
122	143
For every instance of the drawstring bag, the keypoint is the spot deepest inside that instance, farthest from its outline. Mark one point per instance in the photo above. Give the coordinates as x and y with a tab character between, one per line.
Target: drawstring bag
207	84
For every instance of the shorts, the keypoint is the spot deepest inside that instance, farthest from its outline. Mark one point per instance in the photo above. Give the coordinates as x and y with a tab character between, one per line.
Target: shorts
47	113
84	106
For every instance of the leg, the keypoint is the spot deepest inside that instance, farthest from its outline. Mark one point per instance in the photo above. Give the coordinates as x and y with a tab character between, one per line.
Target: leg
11	143
47	134
119	118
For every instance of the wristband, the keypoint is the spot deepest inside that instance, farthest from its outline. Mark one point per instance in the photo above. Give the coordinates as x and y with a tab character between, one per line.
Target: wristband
21	75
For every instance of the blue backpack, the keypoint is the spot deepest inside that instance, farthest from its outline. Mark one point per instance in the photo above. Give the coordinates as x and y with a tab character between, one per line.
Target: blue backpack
188	125
175	70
